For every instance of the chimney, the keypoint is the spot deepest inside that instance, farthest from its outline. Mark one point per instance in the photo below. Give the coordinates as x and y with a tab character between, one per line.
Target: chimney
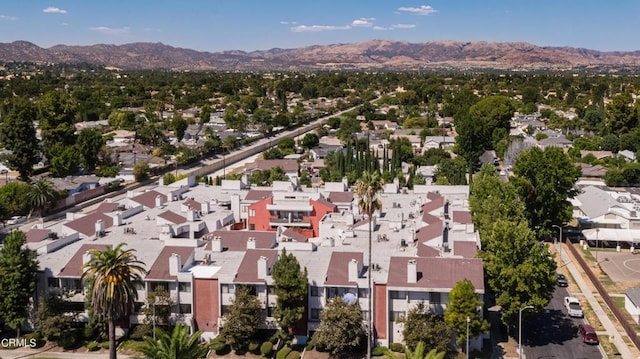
117	219
445	236
99	227
263	267
175	264
159	201
191	215
353	270
205	207
86	257
216	244
412	271
251	243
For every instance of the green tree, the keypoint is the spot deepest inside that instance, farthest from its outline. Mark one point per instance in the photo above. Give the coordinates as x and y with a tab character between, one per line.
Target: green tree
179	125
161	299
544	180
418	353
287	145
290	283
519	270
464	303
454	170
341	329
89	144
18	135
114	275
12	197
621	116
141	171
367	189
244	316
179	345
18	273
51	317
41	194
64	161
422	325
310	140
348	127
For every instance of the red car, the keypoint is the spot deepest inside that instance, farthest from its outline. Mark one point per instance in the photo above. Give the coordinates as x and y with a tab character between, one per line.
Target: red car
588	334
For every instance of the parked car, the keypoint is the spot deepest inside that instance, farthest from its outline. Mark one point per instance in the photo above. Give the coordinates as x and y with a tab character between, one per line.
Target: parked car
588	334
16	220
562	280
573	307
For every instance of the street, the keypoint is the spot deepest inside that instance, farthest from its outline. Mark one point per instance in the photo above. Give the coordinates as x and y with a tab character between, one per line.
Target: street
553	334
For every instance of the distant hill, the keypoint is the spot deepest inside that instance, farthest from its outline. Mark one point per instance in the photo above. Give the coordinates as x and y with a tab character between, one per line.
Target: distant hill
371	55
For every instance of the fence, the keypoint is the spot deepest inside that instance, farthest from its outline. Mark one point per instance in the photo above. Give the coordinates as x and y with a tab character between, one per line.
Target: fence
628	328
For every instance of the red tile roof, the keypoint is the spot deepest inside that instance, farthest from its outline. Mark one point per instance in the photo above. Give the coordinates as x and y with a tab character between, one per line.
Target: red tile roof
172	217
427	251
437	274
248	269
462	217
190	202
338	270
237	240
160	268
73	268
257	195
341	197
148	199
359	223
465	249
295	235
287	165
87	224
326	204
429	232
35	235
107	207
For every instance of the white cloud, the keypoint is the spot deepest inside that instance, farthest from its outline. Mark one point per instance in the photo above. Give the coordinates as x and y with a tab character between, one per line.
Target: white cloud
284	22
54	10
111	31
363	22
380	28
403	26
7	17
422	10
64	24
318	28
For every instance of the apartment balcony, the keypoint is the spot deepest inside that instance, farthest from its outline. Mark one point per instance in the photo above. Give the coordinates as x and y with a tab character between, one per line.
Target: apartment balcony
293	222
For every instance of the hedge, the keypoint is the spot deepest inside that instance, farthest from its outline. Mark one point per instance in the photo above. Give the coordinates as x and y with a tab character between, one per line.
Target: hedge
266	348
93	346
282	353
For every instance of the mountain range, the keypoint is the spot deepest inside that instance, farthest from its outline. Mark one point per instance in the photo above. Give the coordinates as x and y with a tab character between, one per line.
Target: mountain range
367	55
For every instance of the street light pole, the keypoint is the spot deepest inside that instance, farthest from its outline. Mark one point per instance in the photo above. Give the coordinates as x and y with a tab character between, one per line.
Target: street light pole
520	330
560	230
468	320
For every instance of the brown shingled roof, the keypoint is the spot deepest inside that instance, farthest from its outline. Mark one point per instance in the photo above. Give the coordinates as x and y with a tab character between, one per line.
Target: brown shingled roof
107	207
338	270
429	232
87	224
35	235
427	251
286	164
73	268
248	269
341	197
295	235
465	248
190	202
148	199
172	217
462	217
437	274
160	268
257	195
237	240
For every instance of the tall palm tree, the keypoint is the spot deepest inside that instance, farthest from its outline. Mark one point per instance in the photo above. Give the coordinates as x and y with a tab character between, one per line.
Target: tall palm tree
178	345
114	273
418	353
41	194
367	189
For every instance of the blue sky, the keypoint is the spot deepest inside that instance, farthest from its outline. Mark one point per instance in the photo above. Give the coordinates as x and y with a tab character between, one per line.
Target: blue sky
216	25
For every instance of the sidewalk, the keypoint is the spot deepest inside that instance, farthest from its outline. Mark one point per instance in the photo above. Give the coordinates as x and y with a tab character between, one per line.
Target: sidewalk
608	325
44	353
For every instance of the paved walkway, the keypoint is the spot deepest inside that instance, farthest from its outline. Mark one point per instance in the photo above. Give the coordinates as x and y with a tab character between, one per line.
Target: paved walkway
608	325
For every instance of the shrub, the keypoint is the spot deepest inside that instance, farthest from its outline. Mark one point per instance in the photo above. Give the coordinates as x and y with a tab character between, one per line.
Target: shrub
293	355
396	347
282	353
274	338
253	347
218	345
93	346
378	351
309	346
69	339
105	345
266	348
35	338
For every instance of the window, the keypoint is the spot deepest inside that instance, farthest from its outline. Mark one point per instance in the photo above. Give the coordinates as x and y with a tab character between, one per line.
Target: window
157	286
54	283
435	298
398	294
271	290
137	306
252	212
185	308
315	291
252	227
244	209
396	316
363	292
228	289
365	315
315	313
270	310
184	287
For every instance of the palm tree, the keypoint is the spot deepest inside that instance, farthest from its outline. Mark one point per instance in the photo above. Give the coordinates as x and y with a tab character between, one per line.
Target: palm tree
178	345
418	353
40	195
114	273
367	189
